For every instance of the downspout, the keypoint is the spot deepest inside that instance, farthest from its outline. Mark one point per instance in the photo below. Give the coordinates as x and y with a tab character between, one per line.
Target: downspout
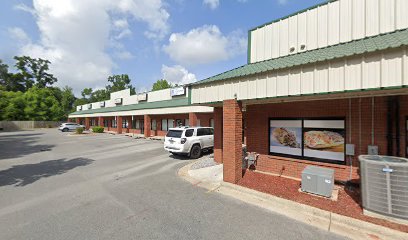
397	125
389	126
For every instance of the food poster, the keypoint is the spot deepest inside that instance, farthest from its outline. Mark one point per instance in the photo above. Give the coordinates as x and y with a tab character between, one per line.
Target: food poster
324	139
286	137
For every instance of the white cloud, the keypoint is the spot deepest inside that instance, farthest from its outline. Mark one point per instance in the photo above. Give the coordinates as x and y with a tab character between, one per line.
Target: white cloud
213	4
19	35
283	2
206	44
177	74
76	35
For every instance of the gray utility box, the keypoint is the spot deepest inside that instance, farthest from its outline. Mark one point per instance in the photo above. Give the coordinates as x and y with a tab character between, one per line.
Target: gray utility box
318	180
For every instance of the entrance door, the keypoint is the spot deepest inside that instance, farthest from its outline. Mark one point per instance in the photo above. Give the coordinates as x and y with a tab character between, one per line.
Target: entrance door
142	126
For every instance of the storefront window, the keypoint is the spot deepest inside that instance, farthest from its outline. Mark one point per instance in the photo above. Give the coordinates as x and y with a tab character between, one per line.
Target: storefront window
114	123
154	125
124	123
179	123
105	123
320	140
212	122
137	125
164	125
187	122
170	123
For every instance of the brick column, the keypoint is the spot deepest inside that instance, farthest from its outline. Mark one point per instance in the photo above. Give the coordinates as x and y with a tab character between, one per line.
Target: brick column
192	119
218	134
232	140
78	120
100	121
87	123
119	123
130	122
147	122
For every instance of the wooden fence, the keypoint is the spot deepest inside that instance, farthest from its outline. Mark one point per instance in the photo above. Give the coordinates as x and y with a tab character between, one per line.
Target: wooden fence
21	125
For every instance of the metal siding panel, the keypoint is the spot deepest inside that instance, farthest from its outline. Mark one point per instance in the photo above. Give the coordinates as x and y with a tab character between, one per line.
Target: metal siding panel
302	31
307	80
353	74
387	16
282	83
401	8
228	90
243	89
268	42
294	82
405	68
293	38
261	86
252	89
194	95
260	43
254	44
321	83
358	19
336	76
345	20
372	72
322	26
372	21
271	85
334	23
391	69
311	29
275	40
283	37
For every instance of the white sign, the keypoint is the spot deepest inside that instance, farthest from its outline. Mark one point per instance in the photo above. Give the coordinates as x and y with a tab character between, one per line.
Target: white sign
102	104
177	91
118	100
142	97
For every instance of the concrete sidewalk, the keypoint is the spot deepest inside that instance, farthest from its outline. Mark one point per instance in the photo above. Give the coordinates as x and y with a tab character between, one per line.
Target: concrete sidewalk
211	179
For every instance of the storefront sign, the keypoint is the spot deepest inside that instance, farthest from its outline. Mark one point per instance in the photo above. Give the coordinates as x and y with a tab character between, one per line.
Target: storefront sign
177	91
313	139
142	97
286	137
118	100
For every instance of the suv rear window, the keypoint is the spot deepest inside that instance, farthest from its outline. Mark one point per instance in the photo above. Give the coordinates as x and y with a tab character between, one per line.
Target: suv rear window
189	132
205	131
174	133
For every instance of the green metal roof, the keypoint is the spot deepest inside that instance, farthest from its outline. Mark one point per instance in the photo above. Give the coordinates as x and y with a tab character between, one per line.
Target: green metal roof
370	44
148	105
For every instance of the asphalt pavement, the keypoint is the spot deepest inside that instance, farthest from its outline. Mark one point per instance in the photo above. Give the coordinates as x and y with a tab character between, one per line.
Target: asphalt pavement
56	186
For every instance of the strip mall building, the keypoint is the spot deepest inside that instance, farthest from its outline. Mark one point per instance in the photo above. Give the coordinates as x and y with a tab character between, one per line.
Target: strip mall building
149	114
321	87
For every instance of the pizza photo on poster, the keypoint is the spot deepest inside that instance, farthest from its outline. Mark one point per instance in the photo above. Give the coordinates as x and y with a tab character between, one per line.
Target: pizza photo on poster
325	143
285	137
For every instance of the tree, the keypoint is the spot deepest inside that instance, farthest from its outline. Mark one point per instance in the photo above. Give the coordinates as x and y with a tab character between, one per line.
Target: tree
86	93
119	82
35	71
67	100
99	95
3	73
161	84
41	105
14	105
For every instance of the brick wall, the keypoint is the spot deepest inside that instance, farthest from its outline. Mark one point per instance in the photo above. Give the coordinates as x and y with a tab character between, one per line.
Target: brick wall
218	134
358	127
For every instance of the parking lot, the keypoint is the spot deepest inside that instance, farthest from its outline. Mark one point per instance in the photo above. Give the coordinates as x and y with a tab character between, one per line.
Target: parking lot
55	186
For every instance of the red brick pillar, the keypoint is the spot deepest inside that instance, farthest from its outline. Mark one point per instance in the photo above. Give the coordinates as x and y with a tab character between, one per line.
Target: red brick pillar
232	140
130	122
78	120
119	123
100	121
218	134
147	122
192	119
87	123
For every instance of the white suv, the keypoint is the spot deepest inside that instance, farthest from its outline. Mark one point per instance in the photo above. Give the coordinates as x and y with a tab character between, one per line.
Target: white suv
189	140
65	127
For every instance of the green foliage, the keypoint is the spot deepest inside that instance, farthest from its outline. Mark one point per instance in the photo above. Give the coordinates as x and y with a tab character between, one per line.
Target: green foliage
86	92
79	130
98	129
161	84
119	82
35	71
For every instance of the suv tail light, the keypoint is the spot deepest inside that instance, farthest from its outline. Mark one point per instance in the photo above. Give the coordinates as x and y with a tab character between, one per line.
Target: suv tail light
183	140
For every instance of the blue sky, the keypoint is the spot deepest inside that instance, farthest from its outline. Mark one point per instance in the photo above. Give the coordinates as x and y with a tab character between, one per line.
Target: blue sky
180	40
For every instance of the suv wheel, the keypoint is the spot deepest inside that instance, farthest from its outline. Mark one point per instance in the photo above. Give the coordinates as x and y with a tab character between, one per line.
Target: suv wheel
195	152
65	130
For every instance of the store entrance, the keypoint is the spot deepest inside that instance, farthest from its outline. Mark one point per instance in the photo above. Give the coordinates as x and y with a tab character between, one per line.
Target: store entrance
142	126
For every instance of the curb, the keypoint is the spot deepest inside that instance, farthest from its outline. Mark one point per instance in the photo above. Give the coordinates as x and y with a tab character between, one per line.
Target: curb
332	222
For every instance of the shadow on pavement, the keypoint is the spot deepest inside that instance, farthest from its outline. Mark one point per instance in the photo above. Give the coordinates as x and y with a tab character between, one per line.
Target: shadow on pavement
22	175
19	145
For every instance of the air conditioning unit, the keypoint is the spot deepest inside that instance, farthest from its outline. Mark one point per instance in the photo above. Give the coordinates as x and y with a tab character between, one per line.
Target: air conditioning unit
384	185
118	101
90	106
318	180
102	104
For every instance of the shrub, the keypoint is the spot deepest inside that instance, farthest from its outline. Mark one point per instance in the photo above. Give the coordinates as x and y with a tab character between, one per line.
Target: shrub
79	130
98	129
